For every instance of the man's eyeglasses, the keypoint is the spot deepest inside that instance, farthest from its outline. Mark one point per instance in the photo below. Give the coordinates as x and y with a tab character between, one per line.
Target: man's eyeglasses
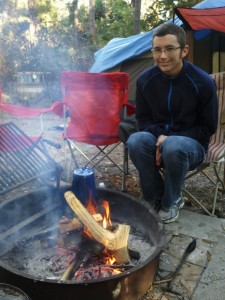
167	50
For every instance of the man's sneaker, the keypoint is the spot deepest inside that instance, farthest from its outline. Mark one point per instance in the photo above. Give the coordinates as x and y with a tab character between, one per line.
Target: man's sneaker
171	215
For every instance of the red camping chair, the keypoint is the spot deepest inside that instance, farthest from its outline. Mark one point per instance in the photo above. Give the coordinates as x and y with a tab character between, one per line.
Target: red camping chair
24	158
95	102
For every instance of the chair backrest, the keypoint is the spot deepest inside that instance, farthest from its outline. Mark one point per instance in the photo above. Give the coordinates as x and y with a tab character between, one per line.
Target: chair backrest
217	140
94	101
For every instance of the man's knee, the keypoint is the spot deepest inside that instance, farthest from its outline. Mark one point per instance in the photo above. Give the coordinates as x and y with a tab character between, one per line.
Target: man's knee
138	139
171	148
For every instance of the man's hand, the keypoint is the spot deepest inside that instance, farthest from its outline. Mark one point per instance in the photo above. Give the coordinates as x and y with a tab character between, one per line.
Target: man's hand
158	156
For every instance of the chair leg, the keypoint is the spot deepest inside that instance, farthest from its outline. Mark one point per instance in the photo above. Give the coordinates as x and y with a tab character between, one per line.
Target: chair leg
125	167
71	157
217	169
215	198
90	162
218	183
72	154
106	155
223	175
197	201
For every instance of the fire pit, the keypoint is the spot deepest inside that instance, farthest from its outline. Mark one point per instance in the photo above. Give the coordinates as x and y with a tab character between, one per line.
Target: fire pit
27	216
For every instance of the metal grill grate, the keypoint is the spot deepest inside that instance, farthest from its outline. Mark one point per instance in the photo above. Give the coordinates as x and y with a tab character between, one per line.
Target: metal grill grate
22	159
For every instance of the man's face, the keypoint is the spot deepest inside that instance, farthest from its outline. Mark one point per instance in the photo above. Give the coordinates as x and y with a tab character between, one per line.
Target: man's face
168	55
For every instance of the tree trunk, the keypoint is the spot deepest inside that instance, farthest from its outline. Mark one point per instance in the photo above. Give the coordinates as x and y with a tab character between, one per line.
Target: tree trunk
137	15
32	8
74	12
92	28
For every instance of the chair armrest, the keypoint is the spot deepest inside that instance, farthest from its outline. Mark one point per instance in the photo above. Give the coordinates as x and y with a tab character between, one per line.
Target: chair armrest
130	109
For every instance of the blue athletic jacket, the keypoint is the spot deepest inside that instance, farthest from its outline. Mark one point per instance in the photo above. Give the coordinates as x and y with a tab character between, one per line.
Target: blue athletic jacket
186	105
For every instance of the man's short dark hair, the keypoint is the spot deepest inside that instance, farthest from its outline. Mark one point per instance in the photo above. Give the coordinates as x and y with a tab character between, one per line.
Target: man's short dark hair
171	28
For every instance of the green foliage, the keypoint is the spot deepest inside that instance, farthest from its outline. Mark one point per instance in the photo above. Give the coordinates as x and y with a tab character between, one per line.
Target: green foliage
161	11
100	10
113	18
109	15
47	13
45	37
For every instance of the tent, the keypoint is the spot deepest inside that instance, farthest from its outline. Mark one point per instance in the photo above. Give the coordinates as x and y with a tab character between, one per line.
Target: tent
197	19
133	54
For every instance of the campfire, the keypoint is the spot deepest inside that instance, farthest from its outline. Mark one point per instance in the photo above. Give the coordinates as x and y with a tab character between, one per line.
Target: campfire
109	243
85	246
52	246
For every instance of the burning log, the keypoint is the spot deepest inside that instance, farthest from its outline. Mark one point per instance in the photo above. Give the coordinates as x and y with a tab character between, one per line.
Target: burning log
66	225
68	271
116	242
87	248
80	259
38	235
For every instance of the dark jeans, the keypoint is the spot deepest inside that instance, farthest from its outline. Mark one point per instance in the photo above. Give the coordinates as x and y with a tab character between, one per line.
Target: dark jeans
179	155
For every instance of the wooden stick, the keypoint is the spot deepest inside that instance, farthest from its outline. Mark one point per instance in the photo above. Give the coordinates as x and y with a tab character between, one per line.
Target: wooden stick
66	225
114	241
80	259
67	272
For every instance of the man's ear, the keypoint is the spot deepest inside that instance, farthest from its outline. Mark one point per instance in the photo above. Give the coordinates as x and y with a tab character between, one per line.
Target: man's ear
185	51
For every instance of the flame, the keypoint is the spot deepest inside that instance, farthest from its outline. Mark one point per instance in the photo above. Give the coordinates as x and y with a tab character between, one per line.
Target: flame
106	218
109	259
91	205
92	208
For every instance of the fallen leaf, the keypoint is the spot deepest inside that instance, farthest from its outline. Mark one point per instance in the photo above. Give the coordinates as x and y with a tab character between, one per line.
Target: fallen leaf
209	256
206	241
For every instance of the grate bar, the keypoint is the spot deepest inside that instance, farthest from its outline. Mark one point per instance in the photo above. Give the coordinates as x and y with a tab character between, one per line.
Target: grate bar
21	159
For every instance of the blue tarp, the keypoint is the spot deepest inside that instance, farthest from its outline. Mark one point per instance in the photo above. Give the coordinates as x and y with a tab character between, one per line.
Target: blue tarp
122	49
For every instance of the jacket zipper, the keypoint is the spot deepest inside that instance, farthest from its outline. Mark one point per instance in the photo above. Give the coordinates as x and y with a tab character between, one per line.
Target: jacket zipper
168	126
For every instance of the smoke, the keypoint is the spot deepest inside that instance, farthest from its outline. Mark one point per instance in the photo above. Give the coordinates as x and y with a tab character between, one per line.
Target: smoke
28	214
38	40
